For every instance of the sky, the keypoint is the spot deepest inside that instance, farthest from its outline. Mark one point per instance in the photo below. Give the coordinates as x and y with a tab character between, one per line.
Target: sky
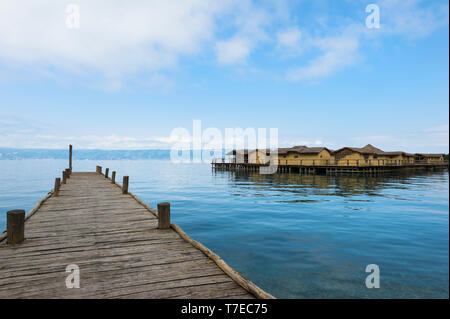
110	74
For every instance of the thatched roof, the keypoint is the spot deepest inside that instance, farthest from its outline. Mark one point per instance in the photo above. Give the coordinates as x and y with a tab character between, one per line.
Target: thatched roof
429	155
302	150
370	149
284	150
359	150
234	152
397	153
314	150
373	149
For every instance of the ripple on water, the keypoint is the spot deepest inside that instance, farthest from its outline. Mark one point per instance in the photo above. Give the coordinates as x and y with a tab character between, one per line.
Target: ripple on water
297	236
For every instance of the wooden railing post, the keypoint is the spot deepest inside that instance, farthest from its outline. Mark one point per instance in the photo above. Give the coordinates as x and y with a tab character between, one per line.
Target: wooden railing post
98	169
70	157
57	184
125	185
64	177
113	177
15	221
164	215
67	172
106	172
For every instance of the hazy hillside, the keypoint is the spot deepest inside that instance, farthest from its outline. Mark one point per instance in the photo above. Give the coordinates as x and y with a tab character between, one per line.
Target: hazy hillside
12	153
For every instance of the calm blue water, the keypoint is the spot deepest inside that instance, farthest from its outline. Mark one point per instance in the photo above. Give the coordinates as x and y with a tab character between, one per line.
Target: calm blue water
295	236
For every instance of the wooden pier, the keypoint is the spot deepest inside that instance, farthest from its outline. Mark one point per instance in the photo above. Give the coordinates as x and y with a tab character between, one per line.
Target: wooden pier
328	169
122	247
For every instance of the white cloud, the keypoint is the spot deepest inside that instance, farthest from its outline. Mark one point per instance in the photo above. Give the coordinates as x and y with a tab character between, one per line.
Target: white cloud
115	37
337	53
289	39
412	18
429	140
438	129
250	23
26	140
232	51
409	19
296	142
162	82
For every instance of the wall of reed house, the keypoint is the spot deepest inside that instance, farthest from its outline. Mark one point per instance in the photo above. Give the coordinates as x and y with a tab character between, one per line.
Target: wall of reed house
434	159
353	158
293	158
347	157
258	157
358	159
397	159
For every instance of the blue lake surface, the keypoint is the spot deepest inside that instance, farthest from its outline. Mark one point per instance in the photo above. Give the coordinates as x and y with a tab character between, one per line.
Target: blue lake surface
295	236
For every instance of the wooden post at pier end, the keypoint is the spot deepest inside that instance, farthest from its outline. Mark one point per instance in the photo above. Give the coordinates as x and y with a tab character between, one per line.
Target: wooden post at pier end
70	157
164	215
106	172
57	185
113	177
64	177
67	173
125	185
15	221
98	169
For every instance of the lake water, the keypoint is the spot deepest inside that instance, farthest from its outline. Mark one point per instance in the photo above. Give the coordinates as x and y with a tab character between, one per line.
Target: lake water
295	236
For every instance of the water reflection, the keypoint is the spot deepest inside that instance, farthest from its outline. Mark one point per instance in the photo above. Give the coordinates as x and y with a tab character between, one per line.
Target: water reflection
340	185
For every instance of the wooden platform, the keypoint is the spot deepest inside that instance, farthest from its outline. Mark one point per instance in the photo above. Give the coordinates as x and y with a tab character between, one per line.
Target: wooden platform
115	242
330	169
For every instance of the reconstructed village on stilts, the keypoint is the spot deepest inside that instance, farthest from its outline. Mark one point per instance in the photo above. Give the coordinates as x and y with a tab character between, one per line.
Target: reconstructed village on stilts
321	160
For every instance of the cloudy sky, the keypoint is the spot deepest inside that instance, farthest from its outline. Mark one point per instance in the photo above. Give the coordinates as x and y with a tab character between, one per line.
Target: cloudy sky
127	73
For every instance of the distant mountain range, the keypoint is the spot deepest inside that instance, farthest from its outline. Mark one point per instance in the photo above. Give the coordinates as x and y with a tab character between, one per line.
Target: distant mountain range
13	153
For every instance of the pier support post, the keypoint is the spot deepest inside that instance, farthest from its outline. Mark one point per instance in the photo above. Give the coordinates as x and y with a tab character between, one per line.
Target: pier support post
57	184
106	172
70	157
98	169
125	185
67	172
113	177
164	215
15	220
64	177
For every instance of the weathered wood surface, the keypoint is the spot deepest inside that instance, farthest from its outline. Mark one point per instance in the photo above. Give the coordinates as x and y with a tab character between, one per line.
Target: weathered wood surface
115	242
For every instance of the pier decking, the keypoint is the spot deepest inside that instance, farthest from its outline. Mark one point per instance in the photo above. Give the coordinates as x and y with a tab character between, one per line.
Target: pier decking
114	240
